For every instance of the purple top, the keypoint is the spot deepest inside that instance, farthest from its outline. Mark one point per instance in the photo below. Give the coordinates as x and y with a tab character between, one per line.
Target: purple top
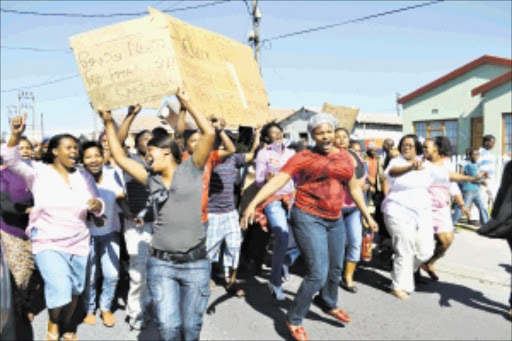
18	193
270	160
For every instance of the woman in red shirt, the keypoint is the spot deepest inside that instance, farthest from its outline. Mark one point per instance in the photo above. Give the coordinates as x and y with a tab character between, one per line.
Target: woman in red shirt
316	218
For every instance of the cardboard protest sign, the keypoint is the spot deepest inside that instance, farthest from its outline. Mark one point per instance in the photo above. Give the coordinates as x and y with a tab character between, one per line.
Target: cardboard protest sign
127	63
346	116
144	60
220	74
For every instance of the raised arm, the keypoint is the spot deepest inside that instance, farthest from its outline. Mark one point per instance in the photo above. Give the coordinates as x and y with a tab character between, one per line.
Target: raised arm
250	155
272	186
124	128
135	169
229	147
461	177
205	143
12	155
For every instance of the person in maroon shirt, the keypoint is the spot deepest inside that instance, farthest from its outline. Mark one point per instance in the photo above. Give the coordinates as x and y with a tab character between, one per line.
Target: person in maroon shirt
316	218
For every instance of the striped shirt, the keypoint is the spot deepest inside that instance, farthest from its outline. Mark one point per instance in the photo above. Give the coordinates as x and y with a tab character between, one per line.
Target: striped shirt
487	162
222	184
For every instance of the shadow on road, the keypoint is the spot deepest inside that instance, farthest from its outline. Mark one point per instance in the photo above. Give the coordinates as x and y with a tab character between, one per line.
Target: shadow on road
258	297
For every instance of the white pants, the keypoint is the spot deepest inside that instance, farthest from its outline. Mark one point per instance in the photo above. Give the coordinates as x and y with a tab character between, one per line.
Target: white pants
138	243
488	193
413	243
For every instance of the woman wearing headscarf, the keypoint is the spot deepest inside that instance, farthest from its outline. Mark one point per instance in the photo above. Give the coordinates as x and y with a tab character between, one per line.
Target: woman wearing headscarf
64	196
317	219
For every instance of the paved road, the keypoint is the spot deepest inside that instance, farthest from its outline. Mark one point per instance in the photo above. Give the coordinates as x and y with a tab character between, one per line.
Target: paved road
469	302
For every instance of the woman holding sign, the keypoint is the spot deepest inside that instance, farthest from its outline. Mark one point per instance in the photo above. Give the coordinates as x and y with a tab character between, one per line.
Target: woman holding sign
178	269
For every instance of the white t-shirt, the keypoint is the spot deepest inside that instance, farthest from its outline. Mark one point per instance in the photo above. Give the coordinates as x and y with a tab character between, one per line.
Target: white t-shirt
109	188
408	195
487	163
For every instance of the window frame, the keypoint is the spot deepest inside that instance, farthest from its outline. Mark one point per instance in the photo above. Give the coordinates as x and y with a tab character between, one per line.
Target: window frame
443	130
503	134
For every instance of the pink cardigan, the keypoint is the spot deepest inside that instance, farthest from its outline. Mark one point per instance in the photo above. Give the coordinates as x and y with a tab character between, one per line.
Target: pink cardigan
58	219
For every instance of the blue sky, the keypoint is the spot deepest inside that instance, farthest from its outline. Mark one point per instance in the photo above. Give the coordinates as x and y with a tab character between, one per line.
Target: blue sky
362	64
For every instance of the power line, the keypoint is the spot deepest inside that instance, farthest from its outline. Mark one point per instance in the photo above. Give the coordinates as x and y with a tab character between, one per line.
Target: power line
107	15
248	7
286	35
174	5
34	49
43	84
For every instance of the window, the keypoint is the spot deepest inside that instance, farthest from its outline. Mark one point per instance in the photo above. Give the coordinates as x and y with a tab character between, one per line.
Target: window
439	128
303	136
507	135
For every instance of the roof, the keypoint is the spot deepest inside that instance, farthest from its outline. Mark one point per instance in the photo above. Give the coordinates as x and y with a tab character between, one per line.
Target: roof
485	59
280	114
376	118
482	89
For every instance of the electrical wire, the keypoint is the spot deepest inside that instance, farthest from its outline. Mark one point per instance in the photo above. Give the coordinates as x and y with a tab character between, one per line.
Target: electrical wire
42	84
173	5
248	7
286	35
34	49
108	15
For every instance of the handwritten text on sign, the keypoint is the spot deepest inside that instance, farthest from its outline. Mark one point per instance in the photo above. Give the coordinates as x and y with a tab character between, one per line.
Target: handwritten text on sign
127	63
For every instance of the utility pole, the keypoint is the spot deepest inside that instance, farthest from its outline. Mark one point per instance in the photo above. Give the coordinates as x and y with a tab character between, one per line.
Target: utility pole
42	127
254	35
397	104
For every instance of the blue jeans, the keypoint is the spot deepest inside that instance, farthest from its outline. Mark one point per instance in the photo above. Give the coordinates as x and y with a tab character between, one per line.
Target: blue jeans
474	197
104	253
282	252
63	275
180	293
322	244
354	229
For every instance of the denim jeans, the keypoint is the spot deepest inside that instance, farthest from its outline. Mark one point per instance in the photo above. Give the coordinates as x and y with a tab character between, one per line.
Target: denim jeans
354	229
180	294
282	252
474	197
104	253
322	244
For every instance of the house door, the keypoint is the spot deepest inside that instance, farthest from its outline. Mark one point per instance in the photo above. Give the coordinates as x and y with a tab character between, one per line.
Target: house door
477	131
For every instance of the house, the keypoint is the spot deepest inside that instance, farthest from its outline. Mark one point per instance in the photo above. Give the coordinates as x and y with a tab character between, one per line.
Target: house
466	104
367	126
377	127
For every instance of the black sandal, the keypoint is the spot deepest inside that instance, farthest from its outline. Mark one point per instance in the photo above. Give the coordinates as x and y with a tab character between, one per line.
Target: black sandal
353	289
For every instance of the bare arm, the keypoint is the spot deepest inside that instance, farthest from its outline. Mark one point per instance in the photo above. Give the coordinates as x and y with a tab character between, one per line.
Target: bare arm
250	156
461	177
272	186
135	169
356	193
205	143
127	122
229	147
401	170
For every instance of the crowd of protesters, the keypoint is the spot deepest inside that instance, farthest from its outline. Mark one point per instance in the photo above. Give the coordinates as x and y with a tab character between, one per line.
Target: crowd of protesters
74	213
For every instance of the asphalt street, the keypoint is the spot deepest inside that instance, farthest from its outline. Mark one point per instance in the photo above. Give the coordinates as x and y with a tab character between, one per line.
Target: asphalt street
468	303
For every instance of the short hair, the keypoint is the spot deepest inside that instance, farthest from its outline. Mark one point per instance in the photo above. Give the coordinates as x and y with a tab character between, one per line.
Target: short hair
444	147
159	131
139	135
488	138
353	142
166	141
90	144
265	130
53	144
417	143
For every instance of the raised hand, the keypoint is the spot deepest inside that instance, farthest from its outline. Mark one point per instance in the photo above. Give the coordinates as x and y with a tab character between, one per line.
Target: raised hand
134	109
18	124
182	96
106	115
